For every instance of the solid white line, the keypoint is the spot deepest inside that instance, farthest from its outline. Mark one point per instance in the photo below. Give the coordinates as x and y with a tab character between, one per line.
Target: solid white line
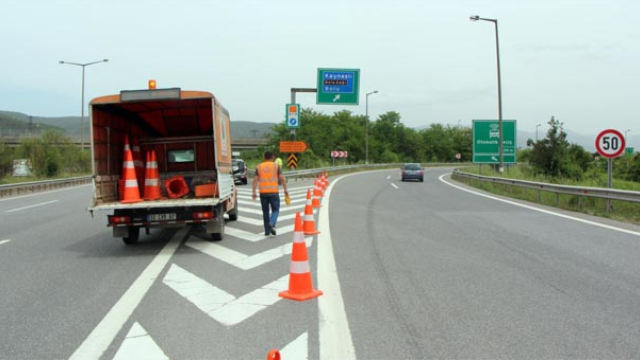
45	192
395	186
630	232
139	345
32	206
335	337
259	222
219	304
103	334
4	241
240	260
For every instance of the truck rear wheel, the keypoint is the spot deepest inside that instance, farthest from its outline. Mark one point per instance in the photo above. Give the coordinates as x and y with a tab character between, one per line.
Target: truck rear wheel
133	235
219	235
233	213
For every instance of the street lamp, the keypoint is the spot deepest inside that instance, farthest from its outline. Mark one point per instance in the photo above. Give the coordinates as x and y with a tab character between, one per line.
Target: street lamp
366	127
82	104
537	126
625	135
495	22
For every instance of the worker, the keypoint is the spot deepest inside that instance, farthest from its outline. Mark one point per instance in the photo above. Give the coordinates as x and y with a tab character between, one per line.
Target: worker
279	162
267	178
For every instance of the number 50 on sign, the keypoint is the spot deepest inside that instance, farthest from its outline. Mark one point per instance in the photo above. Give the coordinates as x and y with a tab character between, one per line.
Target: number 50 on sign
610	143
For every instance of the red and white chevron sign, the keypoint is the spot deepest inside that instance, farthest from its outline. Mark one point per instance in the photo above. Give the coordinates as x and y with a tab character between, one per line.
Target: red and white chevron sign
339	154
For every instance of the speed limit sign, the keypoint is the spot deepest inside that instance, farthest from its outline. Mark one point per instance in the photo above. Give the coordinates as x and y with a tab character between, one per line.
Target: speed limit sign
610	143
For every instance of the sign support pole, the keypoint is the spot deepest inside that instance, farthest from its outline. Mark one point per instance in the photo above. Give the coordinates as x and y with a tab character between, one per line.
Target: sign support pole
609	182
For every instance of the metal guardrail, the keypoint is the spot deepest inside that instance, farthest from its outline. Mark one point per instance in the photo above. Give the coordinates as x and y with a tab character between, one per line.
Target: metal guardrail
9	190
603	193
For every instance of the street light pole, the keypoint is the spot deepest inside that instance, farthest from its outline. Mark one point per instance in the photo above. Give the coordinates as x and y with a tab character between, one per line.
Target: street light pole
500	145
625	136
537	126
82	104
366	127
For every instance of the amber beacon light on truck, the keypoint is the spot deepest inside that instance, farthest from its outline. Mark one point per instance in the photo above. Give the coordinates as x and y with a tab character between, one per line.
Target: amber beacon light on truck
151	94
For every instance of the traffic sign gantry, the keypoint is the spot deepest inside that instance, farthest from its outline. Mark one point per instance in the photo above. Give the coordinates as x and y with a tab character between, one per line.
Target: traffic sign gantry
293	146
486	135
338	86
610	143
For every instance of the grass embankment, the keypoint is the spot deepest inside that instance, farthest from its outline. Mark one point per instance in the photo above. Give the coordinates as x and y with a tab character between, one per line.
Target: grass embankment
620	210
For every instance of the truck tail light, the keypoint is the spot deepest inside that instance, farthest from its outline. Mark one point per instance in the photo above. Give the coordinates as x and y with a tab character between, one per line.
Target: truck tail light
203	215
119	219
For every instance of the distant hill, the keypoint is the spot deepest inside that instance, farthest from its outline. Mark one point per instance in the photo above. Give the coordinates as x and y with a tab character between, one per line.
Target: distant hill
15	123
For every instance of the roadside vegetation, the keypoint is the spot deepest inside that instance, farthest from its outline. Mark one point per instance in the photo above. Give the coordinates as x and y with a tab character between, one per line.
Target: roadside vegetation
554	160
51	155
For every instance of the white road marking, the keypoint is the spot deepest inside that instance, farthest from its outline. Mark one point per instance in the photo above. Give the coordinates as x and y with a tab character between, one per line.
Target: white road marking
4	241
256	222
44	192
630	232
32	206
219	304
139	345
298	349
283	209
389	177
245	235
395	186
335	338
240	260
103	334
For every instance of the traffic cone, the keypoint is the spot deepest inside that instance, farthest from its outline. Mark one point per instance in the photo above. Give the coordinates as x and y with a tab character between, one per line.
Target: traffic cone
317	194
300	282
137	161
326	179
323	183
131	188
152	178
273	355
309	224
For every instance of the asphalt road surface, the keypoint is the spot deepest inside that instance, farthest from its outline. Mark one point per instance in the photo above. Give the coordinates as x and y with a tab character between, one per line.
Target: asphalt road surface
409	270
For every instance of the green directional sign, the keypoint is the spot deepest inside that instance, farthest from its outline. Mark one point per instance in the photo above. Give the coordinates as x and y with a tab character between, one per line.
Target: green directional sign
486	136
338	87
629	150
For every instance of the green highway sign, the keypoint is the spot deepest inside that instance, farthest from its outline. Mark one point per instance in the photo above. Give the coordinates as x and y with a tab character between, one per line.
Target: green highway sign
486	135
338	87
629	150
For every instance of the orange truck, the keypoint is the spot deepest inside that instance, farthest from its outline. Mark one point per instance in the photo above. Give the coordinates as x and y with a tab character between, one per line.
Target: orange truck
189	133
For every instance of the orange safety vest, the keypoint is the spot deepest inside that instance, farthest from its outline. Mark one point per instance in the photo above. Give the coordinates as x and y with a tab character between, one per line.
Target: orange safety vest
268	173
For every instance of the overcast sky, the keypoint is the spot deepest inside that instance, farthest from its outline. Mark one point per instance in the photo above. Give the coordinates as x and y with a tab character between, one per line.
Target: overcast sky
576	60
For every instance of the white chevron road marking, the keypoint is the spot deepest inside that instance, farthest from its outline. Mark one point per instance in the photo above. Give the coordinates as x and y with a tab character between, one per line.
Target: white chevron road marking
245	235
240	260
297	349
219	304
139	345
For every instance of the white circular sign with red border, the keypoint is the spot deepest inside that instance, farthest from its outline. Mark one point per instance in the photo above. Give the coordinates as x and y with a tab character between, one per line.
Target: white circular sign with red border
610	143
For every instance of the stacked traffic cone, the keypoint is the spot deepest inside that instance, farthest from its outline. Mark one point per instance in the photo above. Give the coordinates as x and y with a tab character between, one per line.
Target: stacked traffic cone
300	282
317	194
137	161
309	224
323	183
131	188
152	178
326	179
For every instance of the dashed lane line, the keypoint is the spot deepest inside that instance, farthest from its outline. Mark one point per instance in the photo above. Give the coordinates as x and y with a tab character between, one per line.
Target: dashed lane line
4	241
32	206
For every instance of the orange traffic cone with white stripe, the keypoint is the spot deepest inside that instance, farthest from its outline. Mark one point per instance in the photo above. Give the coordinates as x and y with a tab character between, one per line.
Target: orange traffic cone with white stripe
300	282
326	179
137	161
317	194
309	224
152	178
131	188
273	355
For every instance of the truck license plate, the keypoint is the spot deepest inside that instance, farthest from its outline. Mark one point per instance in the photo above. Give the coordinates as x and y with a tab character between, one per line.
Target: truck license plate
160	217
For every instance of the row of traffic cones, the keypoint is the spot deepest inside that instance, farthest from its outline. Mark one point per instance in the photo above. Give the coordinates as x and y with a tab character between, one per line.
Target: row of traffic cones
130	176
300	281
